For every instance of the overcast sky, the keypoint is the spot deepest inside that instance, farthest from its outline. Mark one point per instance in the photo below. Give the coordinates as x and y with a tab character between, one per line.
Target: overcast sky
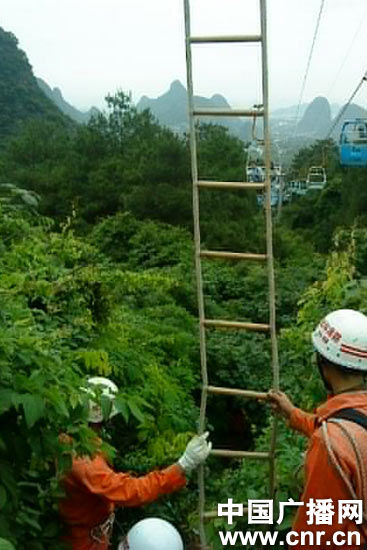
88	48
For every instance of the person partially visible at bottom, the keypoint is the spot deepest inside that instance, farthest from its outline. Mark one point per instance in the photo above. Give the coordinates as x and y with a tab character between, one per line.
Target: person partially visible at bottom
152	534
93	489
336	458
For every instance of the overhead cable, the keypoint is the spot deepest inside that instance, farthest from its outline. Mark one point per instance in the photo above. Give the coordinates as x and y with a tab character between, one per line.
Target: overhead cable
348	52
309	63
333	126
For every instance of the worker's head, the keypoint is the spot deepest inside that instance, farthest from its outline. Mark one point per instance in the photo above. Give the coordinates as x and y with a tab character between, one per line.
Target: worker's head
340	340
102	392
152	534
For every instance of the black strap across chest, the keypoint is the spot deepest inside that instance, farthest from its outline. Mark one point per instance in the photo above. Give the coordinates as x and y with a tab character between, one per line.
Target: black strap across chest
353	415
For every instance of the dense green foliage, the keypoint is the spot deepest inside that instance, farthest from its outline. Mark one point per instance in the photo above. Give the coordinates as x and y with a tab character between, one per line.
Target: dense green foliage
123	160
68	311
97	276
120	303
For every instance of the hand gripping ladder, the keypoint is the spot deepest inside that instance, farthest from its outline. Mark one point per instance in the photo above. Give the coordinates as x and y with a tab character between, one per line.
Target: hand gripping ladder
205	323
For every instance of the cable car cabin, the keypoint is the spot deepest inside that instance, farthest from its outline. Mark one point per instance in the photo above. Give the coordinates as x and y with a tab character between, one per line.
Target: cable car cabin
353	143
276	187
255	173
255	166
316	178
297	187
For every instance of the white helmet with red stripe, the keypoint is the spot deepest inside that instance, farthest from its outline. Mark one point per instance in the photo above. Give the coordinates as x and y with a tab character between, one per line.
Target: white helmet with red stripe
341	337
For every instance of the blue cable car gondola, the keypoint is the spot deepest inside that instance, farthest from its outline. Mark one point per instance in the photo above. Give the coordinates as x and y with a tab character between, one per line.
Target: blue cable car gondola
353	143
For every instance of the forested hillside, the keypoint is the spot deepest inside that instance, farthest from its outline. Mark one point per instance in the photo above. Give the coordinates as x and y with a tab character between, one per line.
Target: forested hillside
20	97
97	278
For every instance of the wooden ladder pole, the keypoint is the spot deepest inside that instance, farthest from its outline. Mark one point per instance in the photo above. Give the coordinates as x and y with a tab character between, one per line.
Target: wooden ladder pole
269	231
228	255
198	272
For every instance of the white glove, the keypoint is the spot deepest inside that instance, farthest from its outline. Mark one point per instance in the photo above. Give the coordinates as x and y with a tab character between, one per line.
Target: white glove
196	452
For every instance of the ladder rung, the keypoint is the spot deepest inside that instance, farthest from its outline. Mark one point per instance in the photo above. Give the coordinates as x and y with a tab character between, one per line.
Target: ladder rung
227	112
234	38
231	185
214	513
239	454
234	391
232	255
257	327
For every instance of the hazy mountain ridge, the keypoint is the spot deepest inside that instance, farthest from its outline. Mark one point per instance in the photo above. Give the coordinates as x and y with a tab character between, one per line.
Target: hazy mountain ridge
56	96
23	97
291	112
315	119
171	110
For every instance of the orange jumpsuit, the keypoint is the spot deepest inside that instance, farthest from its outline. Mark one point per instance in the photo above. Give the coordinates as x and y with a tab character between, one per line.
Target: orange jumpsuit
322	479
93	490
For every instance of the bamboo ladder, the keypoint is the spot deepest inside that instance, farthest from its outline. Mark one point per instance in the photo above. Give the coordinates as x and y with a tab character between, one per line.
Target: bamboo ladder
267	257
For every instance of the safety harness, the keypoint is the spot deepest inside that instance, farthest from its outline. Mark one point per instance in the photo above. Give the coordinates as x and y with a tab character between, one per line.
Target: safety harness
103	531
359	418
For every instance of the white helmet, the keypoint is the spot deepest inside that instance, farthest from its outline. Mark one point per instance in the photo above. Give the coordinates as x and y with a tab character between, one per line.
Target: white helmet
106	388
341	337
152	534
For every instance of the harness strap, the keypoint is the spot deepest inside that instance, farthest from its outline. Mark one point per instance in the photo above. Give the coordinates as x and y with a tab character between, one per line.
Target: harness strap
359	418
353	415
103	532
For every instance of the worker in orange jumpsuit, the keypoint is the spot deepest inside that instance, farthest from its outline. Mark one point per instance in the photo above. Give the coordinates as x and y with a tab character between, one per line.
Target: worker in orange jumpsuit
336	458
93	489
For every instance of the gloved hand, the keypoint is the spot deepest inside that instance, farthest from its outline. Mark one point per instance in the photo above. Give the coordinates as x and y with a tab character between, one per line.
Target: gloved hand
196	452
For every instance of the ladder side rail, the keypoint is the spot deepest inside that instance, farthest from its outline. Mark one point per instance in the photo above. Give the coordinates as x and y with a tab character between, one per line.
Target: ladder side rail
199	281
269	232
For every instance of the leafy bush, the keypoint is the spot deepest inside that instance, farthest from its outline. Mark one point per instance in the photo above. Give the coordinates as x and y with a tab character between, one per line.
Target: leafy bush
68	312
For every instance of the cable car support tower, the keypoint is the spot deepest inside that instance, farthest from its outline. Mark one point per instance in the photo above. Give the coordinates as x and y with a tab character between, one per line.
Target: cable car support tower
199	185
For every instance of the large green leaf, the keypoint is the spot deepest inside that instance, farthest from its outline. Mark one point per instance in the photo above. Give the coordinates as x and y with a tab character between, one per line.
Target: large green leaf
34	408
29	199
120	404
135	410
59	404
6	545
106	406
